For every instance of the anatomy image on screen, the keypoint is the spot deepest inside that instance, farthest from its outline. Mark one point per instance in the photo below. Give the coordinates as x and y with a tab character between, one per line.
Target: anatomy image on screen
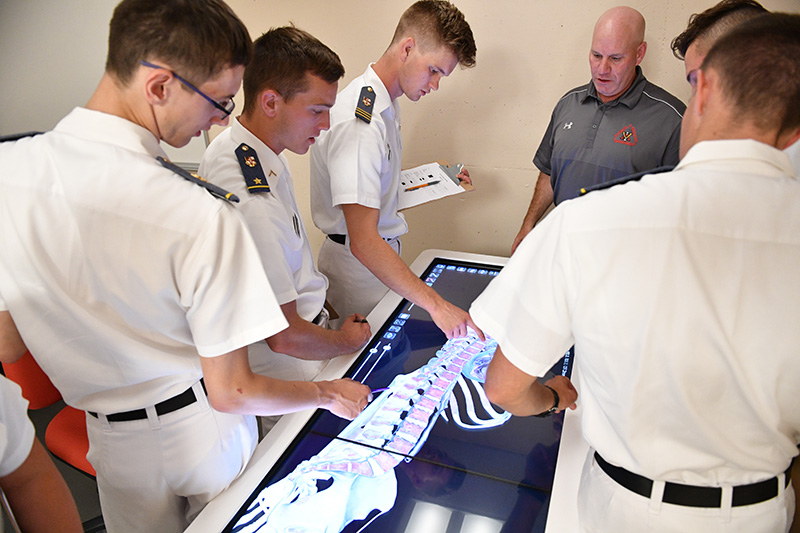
353	476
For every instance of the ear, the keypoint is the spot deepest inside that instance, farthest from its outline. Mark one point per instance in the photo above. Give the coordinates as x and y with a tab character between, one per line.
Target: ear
640	52
787	139
406	45
703	88
156	86
269	101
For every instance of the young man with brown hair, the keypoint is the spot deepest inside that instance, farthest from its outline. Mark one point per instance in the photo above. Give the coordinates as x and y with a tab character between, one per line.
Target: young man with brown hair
289	88
704	28
117	272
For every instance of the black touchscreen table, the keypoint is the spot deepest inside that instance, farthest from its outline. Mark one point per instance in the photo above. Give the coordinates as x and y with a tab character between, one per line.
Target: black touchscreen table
430	453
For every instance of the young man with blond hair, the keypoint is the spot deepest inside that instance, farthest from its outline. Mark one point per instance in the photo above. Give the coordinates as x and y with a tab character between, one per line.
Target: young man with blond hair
355	167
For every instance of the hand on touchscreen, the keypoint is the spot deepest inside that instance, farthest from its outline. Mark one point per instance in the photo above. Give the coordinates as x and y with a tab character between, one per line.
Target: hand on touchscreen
454	321
344	397
356	331
567	394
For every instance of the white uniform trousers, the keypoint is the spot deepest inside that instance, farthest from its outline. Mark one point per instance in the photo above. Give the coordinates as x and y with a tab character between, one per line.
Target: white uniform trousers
604	505
157	474
353	288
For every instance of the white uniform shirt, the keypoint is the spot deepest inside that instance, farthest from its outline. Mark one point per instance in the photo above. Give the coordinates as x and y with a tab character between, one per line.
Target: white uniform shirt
117	271
16	429
794	154
280	236
273	218
681	293
358	163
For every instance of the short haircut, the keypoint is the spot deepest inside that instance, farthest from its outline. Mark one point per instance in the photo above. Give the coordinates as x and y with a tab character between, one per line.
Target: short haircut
281	59
196	38
758	63
434	23
715	21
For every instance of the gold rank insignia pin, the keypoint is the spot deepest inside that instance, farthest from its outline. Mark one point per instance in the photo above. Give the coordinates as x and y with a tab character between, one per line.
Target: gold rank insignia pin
366	101
251	169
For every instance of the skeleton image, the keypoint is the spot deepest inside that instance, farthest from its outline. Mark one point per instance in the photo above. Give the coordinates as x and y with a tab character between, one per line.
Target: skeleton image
354	474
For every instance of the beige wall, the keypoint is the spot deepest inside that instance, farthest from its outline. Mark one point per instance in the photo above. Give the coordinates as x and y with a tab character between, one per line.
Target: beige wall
490	117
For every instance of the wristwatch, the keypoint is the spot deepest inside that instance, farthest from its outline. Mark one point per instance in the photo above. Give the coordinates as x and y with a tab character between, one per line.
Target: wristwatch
553	409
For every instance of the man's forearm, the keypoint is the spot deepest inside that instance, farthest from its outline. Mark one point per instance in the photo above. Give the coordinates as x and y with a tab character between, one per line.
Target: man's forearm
12	346
306	340
541	200
233	388
384	262
38	495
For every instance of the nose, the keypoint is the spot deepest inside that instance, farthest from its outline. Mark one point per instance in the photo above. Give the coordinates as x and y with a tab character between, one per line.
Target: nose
325	121
434	84
605	65
220	120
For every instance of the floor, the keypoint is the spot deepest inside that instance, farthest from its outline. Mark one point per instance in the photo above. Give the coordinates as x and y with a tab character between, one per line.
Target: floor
83	487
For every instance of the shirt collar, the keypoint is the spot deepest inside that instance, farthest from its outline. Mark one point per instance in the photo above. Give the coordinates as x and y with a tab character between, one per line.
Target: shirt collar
96	126
739	152
270	161
629	98
382	99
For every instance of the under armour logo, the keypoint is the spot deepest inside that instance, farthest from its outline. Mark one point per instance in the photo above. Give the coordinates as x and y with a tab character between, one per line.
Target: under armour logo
568	125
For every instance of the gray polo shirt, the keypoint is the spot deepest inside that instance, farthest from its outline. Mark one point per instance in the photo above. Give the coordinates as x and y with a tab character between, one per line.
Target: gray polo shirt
588	142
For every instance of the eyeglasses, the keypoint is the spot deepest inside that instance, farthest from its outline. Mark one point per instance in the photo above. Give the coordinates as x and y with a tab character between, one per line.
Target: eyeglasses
226	106
692	78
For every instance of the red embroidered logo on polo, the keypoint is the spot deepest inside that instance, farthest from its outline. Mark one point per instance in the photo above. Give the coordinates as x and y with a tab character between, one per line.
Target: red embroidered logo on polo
626	135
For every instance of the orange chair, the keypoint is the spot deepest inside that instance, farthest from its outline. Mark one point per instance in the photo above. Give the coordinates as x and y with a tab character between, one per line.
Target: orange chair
36	386
66	439
65	435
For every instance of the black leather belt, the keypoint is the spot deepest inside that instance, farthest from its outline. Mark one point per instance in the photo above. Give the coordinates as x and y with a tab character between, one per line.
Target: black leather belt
180	401
690	495
338	238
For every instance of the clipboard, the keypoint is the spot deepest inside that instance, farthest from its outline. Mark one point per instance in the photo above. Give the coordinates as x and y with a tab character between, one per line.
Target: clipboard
426	183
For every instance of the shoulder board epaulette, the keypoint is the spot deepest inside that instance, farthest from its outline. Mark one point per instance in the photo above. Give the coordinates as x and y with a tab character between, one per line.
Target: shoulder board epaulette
251	169
219	192
18	136
625	179
365	103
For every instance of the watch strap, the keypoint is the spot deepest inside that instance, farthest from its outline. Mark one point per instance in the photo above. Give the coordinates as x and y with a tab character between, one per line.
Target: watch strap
556	401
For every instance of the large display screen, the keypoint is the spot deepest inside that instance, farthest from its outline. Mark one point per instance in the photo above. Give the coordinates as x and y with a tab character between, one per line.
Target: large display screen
430	453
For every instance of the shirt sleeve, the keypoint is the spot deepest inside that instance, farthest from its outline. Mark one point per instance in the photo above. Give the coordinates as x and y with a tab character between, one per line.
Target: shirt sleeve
273	242
672	151
527	307
356	155
229	301
16	429
543	157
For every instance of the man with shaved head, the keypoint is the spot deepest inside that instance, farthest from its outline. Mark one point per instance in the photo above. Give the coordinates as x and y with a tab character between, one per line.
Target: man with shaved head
617	124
